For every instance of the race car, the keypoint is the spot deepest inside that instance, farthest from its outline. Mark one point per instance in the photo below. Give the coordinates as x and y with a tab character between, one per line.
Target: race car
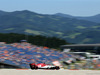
43	66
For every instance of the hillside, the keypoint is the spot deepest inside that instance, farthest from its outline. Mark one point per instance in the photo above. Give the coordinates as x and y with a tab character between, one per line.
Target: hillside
64	15
95	18
28	22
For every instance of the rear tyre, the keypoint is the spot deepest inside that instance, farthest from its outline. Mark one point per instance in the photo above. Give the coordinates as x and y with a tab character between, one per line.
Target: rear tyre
57	68
33	67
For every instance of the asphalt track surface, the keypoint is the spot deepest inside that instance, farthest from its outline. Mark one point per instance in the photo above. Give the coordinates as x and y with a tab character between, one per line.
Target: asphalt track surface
47	72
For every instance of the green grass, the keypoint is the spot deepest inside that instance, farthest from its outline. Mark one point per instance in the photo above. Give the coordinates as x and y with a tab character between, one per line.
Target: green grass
33	31
40	16
10	29
56	33
86	40
81	27
95	26
72	35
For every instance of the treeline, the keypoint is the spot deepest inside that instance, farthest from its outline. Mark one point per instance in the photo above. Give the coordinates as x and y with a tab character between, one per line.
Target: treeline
39	40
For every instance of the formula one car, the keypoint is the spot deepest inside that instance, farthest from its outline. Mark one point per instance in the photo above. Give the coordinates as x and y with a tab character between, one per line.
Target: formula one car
34	66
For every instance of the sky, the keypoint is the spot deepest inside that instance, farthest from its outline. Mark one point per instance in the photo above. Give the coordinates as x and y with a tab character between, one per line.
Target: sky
71	7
